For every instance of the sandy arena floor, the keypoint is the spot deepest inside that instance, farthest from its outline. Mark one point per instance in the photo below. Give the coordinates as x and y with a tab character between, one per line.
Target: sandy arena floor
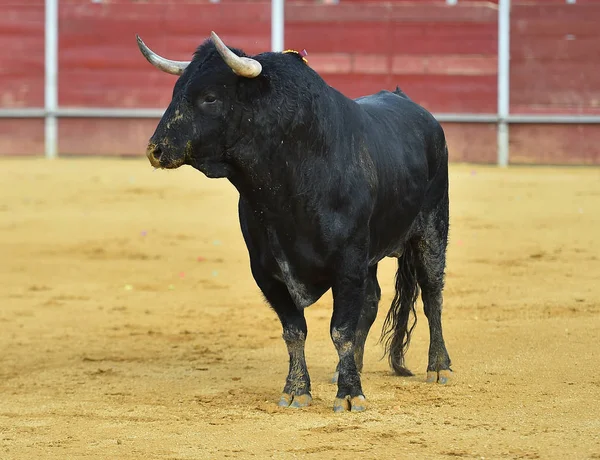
130	325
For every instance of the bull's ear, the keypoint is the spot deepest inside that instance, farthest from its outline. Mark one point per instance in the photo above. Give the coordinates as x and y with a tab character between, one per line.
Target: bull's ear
166	65
242	66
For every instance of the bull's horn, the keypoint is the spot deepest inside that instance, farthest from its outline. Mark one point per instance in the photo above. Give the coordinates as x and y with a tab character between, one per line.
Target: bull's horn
166	65
242	66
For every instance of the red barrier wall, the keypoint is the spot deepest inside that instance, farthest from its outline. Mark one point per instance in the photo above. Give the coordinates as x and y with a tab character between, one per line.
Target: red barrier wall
21	74
443	56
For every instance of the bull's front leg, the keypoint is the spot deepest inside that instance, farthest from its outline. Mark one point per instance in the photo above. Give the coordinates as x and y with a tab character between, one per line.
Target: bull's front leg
348	299
296	392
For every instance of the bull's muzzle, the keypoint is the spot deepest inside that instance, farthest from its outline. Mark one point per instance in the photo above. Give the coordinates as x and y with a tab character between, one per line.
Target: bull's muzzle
160	159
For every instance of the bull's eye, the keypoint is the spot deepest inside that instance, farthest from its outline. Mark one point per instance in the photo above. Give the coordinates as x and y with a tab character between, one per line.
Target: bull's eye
209	99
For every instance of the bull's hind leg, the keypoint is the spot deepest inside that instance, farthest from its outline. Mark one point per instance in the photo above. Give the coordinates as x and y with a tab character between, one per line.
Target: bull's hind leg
430	251
367	317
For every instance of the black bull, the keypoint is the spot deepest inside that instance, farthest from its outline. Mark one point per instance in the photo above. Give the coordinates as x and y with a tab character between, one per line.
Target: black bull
328	187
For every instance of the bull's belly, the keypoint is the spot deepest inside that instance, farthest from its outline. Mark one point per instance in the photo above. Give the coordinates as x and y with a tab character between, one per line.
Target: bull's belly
303	274
395	252
389	237
303	292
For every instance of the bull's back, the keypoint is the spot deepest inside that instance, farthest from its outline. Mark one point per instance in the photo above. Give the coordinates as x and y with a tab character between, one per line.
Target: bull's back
401	131
407	146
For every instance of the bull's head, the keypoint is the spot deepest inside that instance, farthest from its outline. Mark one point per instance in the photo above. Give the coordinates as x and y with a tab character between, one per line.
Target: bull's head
204	111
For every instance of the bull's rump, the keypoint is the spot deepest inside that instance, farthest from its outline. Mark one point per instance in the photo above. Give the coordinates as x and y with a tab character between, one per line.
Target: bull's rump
408	150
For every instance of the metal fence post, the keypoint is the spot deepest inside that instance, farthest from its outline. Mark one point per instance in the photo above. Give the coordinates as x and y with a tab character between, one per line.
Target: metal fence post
503	81
277	22
51	78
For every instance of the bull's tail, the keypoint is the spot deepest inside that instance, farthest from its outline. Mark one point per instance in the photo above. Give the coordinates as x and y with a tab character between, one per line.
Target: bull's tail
396	330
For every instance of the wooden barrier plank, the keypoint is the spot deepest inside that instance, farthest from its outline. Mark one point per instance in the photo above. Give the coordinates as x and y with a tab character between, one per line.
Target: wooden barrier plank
391	11
438	93
21	136
104	136
555	144
560	48
382	37
471	142
555	10
22	55
553	46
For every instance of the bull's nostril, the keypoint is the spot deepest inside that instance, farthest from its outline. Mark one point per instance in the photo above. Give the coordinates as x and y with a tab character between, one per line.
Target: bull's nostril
156	152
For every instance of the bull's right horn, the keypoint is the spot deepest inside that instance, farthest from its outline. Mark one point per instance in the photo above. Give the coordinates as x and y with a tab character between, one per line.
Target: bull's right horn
242	66
166	65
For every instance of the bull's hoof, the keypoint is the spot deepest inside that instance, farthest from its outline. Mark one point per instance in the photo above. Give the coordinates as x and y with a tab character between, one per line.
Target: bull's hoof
356	404
295	401
442	377
334	379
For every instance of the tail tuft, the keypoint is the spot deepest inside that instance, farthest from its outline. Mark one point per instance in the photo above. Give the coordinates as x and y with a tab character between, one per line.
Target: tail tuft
396	331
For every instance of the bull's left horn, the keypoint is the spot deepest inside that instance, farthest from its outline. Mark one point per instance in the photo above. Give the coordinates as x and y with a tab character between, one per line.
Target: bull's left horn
166	65
242	66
